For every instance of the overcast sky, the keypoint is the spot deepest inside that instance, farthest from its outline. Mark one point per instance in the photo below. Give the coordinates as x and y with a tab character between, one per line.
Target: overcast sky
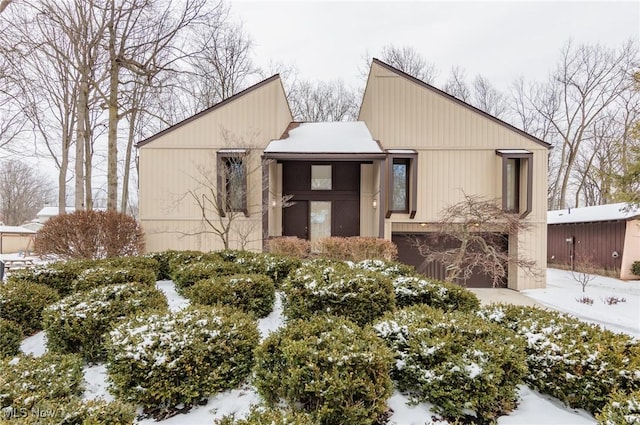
500	40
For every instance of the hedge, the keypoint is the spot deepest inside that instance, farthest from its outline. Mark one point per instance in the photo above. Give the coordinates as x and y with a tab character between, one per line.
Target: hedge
277	267
59	276
165	361
185	276
635	268
79	322
621	409
22	302
73	411
99	276
270	416
10	338
455	360
328	367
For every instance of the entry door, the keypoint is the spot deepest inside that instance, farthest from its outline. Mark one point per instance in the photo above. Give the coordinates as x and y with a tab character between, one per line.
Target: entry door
296	220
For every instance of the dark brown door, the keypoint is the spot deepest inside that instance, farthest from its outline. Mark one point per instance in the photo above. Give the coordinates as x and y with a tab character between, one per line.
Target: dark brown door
296	220
345	218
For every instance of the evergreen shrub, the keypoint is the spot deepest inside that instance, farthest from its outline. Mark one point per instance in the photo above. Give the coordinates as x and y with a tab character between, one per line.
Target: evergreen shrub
185	276
99	276
22	302
621	409
270	416
10	338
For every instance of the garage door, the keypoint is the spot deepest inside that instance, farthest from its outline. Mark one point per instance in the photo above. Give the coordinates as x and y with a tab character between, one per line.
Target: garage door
408	254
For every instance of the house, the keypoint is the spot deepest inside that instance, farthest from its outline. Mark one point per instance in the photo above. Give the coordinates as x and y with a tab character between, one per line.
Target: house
605	236
15	239
48	212
413	151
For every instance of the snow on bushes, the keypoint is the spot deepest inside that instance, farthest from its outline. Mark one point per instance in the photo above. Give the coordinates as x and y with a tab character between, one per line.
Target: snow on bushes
277	267
78	323
73	411
252	293
58	276
454	360
28	380
576	362
187	275
335	288
22	302
10	338
166	361
270	416
99	276
621	409
328	367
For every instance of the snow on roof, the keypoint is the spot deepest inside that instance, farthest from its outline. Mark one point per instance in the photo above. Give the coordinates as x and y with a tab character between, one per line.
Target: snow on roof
326	137
598	213
53	211
15	229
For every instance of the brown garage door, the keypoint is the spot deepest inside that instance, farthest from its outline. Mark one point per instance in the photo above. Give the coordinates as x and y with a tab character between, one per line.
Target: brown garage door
408	254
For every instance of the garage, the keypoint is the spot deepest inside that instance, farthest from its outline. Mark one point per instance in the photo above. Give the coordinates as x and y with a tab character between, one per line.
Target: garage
408	254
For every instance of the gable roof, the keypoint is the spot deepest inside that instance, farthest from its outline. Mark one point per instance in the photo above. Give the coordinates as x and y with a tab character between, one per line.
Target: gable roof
458	101
210	109
609	212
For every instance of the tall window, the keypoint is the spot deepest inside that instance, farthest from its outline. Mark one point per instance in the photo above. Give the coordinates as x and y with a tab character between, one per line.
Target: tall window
321	177
400	185
232	180
402	174
517	180
513	185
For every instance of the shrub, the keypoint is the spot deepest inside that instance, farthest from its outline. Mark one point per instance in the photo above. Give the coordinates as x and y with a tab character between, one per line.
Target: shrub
74	410
252	293
162	361
10	338
275	266
387	268
635	268
328	367
90	234
334	288
131	263
290	246
28	380
578	363
185	276
58	276
454	360
178	259
411	290
357	248
169	260
23	302
621	409
100	276
271	416
79	322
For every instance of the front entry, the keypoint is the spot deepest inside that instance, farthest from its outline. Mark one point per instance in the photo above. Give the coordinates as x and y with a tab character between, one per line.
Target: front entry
325	202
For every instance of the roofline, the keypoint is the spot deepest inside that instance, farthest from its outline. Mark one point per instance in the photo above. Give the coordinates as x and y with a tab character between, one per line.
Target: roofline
458	101
210	109
323	156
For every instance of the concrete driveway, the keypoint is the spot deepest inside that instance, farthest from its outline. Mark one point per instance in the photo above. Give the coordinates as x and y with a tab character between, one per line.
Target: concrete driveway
503	295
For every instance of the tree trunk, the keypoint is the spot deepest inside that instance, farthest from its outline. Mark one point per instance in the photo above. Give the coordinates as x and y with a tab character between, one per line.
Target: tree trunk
112	149
127	160
81	136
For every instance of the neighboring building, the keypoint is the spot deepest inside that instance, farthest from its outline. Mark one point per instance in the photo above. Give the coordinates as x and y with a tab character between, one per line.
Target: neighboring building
47	212
414	151
15	239
606	236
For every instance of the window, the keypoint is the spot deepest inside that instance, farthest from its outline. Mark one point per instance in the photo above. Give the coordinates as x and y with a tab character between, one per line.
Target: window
321	177
232	180
517	180
402	182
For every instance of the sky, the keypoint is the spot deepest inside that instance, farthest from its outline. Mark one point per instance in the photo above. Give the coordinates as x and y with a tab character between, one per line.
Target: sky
501	40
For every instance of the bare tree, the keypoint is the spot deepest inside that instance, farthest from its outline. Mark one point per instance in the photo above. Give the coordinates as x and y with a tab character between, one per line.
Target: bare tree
471	236
23	192
330	101
583	271
408	60
482	94
457	86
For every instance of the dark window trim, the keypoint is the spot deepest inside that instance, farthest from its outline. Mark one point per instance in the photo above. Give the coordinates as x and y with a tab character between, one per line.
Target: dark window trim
412	189
222	156
520	154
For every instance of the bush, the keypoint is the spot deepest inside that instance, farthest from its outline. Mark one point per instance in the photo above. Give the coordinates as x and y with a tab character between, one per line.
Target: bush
10	338
290	246
454	360
578	363
621	409
75	411
90	234
387	268
275	266
262	416
328	367
357	248
58	276
79	322
252	293
100	276
635	268
334	288
178	259
28	380
23	302
162	361
131	263
411	290
190	273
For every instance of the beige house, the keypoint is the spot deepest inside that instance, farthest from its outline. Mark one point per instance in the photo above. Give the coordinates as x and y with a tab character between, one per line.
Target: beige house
413	151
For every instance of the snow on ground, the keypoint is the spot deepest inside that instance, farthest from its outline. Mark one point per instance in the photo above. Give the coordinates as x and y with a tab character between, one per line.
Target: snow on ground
562	291
533	407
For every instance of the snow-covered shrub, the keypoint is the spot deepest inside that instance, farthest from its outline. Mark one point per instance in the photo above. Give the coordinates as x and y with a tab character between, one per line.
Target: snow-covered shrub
335	288
28	380
277	267
454	360
387	268
635	268
10	338
131	263
99	276
621	409
290	246
576	362
23	302
76	411
357	248
177	259
328	367
252	293
163	361
188	274
411	290
270	416
58	276
79	322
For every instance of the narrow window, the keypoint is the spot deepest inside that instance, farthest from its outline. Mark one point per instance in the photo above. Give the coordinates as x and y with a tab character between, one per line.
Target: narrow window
513	185
400	185
232	181
321	177
517	180
402	178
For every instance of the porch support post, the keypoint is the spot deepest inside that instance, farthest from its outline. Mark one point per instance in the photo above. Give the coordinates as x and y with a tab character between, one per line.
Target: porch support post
265	204
382	207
